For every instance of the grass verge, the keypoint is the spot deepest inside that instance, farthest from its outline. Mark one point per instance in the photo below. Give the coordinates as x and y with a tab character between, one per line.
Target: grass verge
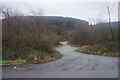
12	62
97	50
36	58
47	57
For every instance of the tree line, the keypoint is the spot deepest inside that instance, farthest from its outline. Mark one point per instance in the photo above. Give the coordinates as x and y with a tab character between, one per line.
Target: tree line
25	35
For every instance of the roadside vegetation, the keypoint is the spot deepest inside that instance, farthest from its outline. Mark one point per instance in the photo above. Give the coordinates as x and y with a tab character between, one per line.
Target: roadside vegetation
12	62
98	50
27	40
97	40
33	39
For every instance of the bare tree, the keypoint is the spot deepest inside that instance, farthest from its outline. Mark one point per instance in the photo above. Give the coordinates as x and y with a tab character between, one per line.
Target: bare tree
109	8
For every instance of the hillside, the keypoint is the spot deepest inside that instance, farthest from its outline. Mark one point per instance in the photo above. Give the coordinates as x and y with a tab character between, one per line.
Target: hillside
25	35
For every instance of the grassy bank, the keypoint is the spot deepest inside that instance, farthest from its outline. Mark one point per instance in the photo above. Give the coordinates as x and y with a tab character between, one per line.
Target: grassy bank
98	50
35	57
12	62
42	58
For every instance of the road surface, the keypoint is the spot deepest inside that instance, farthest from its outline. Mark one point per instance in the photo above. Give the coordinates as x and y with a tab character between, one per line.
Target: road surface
72	65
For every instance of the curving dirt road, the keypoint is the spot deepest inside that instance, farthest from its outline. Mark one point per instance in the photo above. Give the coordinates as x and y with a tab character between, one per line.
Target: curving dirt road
72	65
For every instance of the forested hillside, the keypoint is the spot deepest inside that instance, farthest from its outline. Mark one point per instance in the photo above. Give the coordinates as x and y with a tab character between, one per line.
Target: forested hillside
33	37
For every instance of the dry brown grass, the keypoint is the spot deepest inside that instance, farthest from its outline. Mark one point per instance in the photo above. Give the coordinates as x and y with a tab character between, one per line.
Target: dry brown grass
97	50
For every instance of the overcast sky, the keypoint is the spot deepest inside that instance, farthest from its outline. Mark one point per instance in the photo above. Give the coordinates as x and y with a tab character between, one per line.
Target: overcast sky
88	10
